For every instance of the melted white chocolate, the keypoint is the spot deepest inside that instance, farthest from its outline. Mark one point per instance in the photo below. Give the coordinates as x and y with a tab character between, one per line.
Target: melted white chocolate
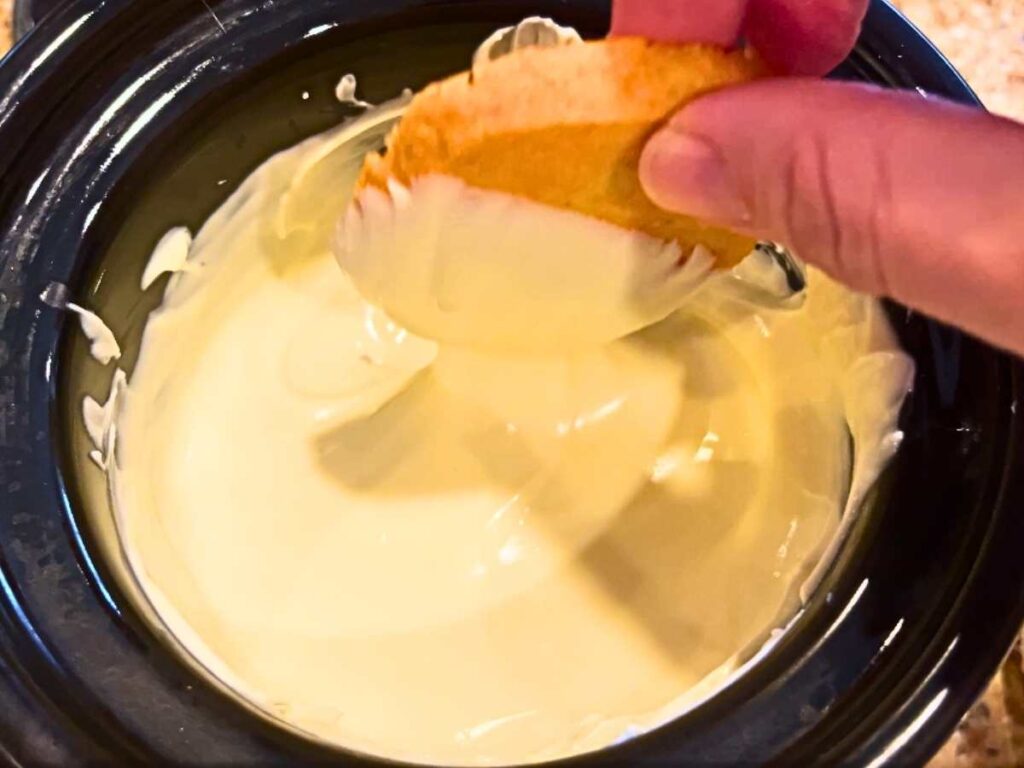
103	344
531	31
467	556
169	255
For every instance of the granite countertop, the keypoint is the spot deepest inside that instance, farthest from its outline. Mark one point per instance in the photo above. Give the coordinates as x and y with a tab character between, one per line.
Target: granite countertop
985	40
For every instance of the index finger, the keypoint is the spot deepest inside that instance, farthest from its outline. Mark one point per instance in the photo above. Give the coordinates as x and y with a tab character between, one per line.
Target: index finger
798	37
717	22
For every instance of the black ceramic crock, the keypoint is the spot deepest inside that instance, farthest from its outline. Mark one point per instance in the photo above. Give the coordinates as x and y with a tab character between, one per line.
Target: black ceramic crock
119	118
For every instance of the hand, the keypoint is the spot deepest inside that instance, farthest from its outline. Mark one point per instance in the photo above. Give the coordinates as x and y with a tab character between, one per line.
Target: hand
913	198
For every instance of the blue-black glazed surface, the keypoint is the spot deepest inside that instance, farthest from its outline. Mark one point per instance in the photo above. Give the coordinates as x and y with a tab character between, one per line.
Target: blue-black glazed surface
99	106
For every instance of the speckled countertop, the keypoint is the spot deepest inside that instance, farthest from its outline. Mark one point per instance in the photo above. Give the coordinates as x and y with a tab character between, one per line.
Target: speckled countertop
985	40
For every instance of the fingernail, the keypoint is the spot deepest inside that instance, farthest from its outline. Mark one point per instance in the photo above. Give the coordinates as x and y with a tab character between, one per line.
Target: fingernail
687	174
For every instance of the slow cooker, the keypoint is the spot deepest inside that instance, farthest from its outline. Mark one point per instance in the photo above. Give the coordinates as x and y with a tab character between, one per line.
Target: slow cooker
121	118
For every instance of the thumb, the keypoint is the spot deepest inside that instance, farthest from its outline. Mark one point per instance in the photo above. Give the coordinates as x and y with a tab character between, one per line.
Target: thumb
894	194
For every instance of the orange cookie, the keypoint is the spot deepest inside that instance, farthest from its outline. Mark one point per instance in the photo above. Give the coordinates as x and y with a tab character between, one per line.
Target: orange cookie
565	126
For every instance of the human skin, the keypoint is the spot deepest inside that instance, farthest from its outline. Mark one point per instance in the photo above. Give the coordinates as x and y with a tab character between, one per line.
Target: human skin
896	195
